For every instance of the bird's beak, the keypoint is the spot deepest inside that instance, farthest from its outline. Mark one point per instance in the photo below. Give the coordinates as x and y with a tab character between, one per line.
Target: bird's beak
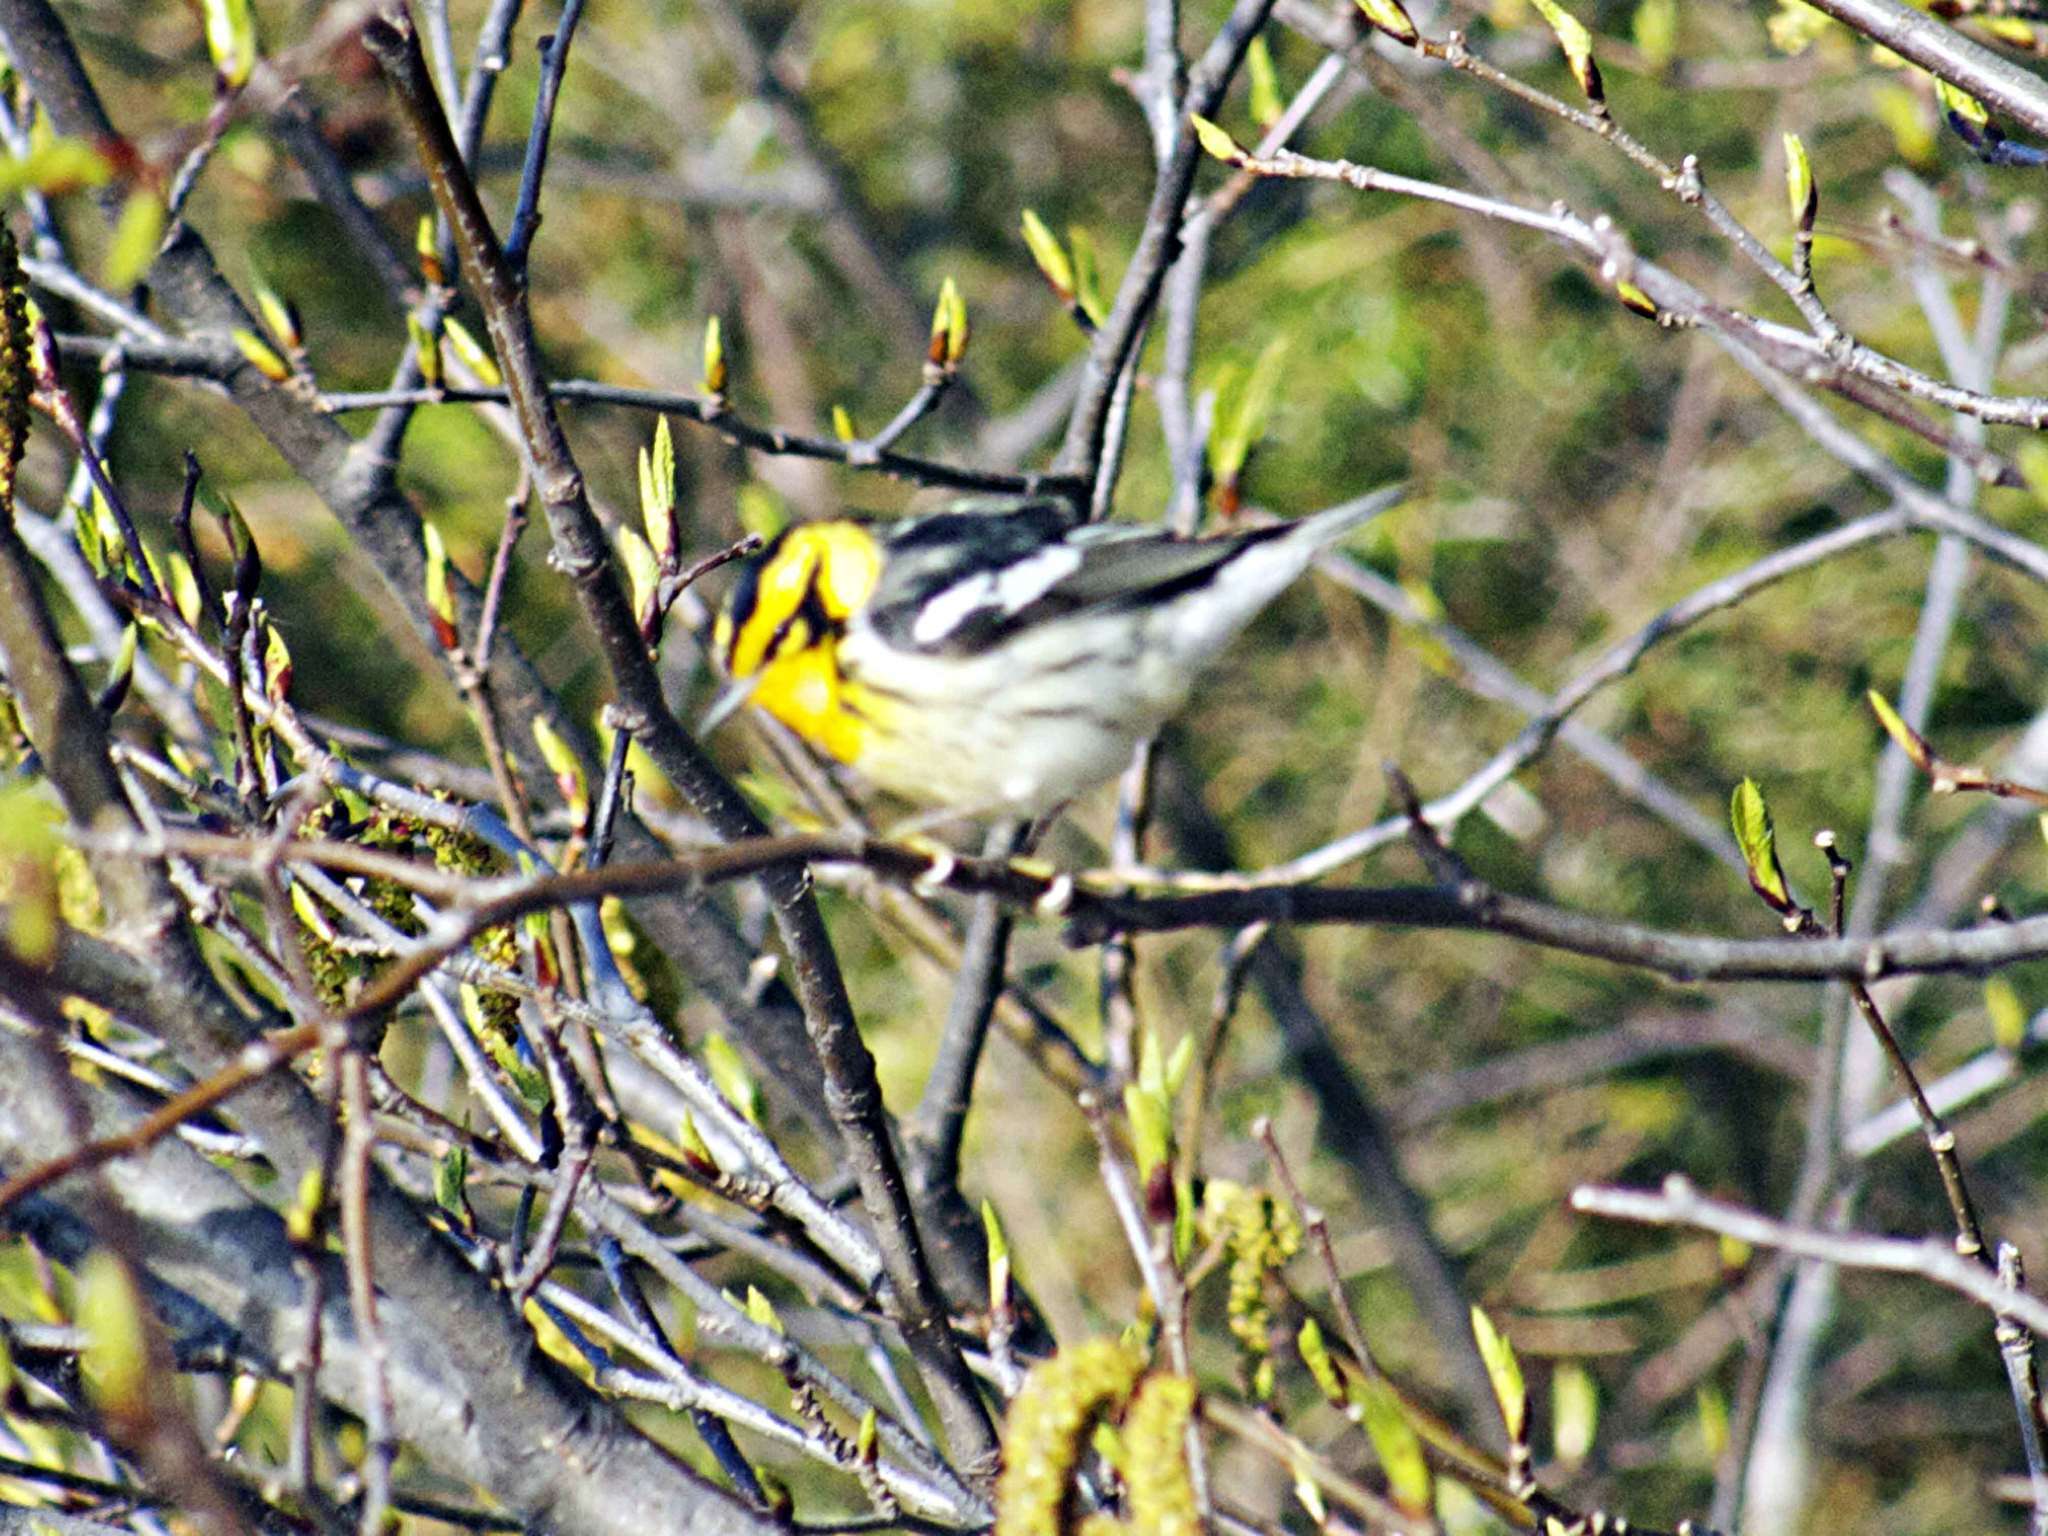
730	698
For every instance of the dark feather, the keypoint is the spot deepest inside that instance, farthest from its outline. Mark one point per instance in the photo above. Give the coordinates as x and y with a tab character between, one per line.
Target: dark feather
1121	567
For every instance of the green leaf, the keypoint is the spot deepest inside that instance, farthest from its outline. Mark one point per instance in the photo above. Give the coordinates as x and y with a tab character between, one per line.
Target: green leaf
1750	818
734	1081
761	510
1315	1354
1504	1371
762	1311
184	588
1577	44
1151	1127
715	376
1242	412
32	917
643	573
842	424
658	490
115	1359
1960	103
1266	105
1795	25
1087	276
427	345
1392	19
998	1256
231	39
474	357
1800	192
949	326
568	772
1713	1410
1215	143
264	358
54	167
136	236
1052	261
1909	741
1574	1412
440	596
1394	1442
2008	1014
451	1173
279	316
1655	28
695	1149
277	663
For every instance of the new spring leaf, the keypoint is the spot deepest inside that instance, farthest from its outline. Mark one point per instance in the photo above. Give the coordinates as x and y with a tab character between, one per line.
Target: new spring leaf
1395	1442
1052	261
231	39
1505	1372
1392	19
1577	44
1750	819
1216	143
1800	191
658	491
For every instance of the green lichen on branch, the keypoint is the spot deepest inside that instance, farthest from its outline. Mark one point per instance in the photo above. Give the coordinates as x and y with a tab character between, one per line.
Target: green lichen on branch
16	375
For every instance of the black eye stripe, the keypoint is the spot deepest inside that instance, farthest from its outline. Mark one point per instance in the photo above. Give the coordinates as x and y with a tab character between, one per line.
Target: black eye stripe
745	596
810	608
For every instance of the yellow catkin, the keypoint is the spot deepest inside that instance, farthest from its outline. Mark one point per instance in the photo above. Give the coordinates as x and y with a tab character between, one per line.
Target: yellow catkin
1261	1235
1047	1429
1162	1497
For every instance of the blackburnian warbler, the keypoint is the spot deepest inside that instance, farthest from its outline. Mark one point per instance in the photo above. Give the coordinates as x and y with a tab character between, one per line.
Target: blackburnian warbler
995	661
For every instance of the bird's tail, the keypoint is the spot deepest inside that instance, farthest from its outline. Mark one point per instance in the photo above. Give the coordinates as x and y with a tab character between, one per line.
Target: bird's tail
1326	528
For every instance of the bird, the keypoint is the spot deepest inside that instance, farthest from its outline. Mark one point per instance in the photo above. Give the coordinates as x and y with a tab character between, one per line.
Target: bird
995	661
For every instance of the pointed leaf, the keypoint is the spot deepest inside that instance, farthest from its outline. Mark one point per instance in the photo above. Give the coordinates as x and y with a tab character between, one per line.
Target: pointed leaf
451	1174
1216	143
1045	250
1960	103
1390	17
1577	44
1394	1442
1505	1373
1266	105
734	1081
643	574
1574	1412
1909	741
761	1310
472	353
440	596
1750	819
136	235
1799	188
568	772
1655	28
658	491
279	315
427	347
231	39
2008	1014
715	378
1087	276
261	354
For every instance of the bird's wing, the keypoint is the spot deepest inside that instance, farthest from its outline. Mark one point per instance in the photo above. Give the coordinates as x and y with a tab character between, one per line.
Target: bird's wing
965	582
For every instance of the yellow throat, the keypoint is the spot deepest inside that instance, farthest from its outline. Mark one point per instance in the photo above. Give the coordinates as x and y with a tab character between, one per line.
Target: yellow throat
782	629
